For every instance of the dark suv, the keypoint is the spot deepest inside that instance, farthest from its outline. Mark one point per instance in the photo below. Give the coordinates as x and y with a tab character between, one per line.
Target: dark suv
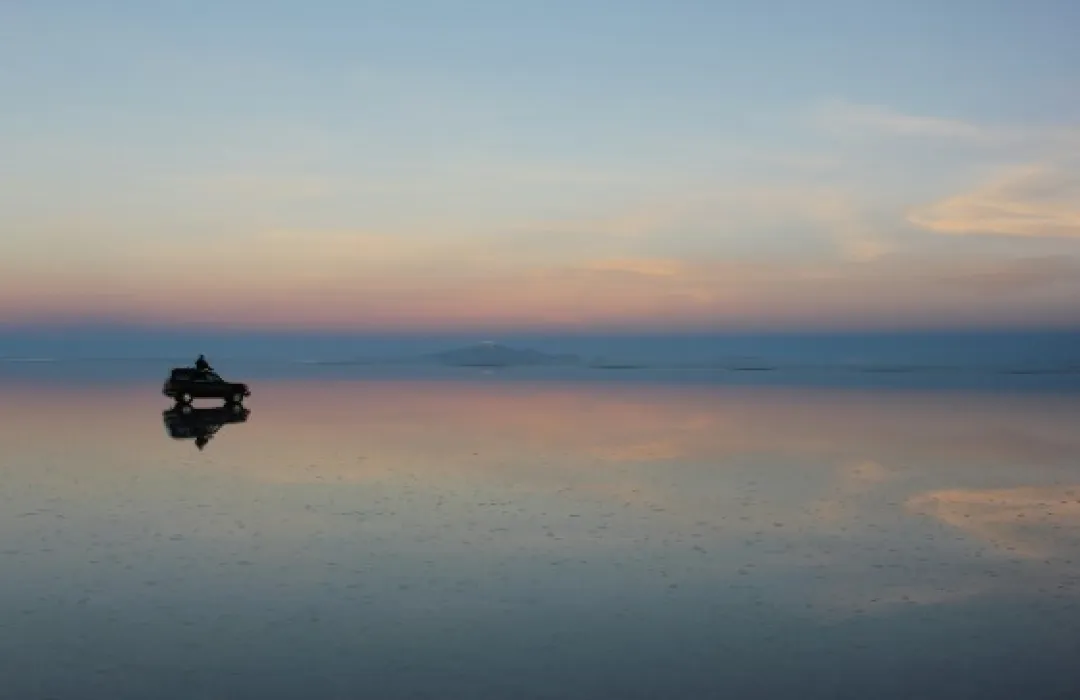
185	384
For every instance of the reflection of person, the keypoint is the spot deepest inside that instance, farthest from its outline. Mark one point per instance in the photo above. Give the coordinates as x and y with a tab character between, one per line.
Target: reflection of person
201	441
202	365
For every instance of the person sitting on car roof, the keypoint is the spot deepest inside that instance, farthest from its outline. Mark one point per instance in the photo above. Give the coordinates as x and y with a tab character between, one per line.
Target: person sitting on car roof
202	365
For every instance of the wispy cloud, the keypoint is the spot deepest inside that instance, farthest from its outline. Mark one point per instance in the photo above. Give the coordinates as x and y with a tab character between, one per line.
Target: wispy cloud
1031	182
364	279
825	218
1017	142
1037	201
843	115
732	251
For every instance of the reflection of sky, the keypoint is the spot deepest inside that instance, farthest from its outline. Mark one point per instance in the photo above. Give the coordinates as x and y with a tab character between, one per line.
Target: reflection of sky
540	540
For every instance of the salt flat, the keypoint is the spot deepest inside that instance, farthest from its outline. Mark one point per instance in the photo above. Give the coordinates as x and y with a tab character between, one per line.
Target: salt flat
487	535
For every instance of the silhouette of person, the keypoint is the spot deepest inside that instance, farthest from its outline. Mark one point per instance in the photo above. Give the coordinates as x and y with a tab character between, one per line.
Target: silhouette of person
202	365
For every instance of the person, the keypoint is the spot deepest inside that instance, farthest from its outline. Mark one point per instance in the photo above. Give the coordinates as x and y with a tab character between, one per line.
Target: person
202	365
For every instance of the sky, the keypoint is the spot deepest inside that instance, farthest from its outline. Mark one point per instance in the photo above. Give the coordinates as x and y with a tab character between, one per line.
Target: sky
478	164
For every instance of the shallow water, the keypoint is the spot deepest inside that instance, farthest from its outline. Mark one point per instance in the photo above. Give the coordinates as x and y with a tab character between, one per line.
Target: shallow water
481	538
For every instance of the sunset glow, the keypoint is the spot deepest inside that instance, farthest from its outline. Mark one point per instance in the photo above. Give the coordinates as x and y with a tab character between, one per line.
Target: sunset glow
631	165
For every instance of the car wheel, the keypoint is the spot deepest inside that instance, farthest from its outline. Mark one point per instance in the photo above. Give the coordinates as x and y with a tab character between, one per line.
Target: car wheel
185	409
185	398
237	398
235	408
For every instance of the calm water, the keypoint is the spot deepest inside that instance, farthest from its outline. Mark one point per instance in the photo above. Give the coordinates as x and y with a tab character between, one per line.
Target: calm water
496	539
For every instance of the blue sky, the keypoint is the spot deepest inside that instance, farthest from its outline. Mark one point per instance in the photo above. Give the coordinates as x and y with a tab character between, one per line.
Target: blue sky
622	164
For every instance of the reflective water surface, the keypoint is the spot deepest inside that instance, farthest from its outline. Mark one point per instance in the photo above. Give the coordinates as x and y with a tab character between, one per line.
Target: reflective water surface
491	539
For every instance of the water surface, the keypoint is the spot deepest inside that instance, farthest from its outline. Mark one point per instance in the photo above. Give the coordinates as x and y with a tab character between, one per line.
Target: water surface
483	538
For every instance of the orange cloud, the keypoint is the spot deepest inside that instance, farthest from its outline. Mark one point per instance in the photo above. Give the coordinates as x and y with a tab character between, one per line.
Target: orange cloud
614	271
1036	201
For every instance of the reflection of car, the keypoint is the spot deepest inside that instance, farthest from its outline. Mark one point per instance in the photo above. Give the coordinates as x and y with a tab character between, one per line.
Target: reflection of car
185	422
185	384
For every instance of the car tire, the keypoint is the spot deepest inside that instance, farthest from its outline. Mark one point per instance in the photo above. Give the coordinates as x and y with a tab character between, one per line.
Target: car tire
185	398
186	409
237	398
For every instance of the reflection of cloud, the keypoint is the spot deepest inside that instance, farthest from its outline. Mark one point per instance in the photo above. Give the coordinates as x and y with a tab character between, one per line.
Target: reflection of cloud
590	428
1034	522
737	488
365	428
868	435
608	441
1033	201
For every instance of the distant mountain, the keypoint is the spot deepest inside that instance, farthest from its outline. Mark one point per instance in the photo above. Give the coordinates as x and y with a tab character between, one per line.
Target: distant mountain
490	354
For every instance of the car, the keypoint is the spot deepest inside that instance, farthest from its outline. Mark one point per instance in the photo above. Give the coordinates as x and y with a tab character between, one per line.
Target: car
185	422
186	384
